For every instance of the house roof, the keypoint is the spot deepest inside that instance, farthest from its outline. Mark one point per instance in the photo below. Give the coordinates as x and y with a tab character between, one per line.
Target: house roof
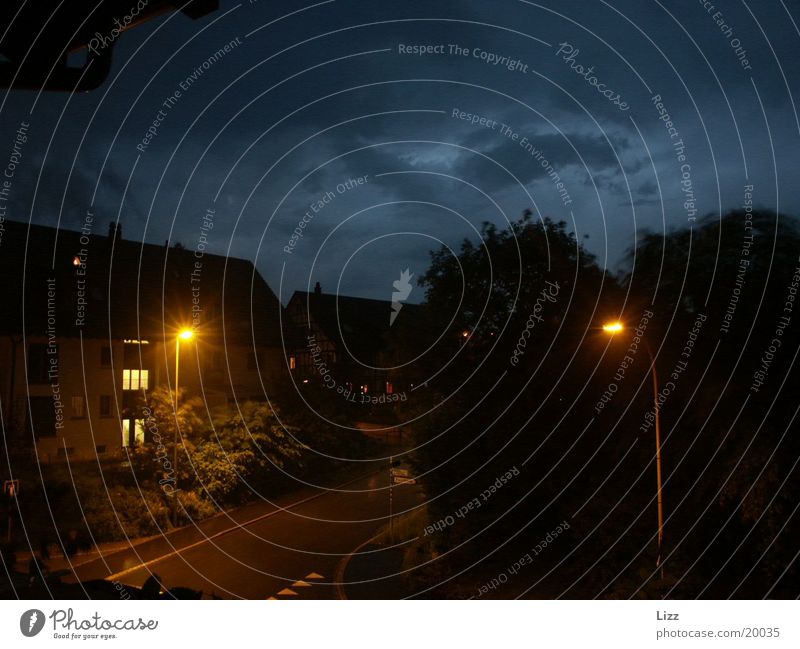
128	289
358	325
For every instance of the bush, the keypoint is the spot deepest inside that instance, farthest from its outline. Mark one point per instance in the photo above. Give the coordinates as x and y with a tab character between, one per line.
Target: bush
193	507
129	514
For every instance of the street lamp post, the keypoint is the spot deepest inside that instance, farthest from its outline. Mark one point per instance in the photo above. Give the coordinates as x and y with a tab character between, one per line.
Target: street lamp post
185	334
612	328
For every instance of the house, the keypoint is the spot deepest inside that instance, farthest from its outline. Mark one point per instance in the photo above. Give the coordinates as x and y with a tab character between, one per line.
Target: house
345	342
89	325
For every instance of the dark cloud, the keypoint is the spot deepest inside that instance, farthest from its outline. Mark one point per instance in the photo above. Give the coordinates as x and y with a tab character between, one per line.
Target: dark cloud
294	111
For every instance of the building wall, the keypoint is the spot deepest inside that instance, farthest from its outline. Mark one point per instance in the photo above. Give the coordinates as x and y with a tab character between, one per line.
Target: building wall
80	403
60	407
226	373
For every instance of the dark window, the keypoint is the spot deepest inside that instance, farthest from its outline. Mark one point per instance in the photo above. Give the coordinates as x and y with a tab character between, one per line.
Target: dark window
105	405
100	449
42	420
66	452
38	363
105	356
135	354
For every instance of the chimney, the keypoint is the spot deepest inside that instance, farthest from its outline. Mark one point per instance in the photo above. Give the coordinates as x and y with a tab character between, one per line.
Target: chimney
318	289
114	230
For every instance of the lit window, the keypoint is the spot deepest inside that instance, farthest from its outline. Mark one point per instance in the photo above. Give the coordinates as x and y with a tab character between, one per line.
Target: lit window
389	388
138	428
292	362
139	431
365	388
135	379
78	408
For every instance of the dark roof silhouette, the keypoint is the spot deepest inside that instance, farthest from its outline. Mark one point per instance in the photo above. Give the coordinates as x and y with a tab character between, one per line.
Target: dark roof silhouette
357	325
132	289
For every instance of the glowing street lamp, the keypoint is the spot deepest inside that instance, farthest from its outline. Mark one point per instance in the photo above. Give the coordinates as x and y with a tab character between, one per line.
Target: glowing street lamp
615	327
183	335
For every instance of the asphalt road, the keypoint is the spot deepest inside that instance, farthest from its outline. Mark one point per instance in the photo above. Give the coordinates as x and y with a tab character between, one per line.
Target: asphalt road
290	549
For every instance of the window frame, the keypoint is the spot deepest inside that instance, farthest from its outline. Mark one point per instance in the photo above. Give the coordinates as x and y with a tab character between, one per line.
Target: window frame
78	412
134	379
37	365
109	413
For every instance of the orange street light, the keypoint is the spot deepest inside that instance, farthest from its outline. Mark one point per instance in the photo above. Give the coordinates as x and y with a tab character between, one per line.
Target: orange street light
615	327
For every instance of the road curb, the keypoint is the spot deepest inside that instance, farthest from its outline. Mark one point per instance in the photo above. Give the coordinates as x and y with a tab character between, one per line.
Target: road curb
341	568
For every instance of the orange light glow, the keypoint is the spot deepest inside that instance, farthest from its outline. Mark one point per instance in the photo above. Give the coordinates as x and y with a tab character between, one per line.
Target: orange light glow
613	327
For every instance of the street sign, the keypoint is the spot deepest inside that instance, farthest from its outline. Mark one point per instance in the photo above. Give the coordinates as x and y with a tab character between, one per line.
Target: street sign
402	480
11	488
403	473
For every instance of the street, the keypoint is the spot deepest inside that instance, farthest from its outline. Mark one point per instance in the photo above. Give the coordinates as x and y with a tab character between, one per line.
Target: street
287	550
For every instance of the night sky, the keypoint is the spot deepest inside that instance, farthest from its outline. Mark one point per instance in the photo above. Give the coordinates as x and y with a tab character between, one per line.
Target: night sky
309	96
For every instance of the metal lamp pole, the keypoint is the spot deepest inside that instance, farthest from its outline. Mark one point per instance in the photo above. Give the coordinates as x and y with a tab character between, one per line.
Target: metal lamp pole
657	414
613	328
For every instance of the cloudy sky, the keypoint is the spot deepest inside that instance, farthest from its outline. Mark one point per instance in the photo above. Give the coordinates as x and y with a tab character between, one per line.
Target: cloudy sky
312	95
